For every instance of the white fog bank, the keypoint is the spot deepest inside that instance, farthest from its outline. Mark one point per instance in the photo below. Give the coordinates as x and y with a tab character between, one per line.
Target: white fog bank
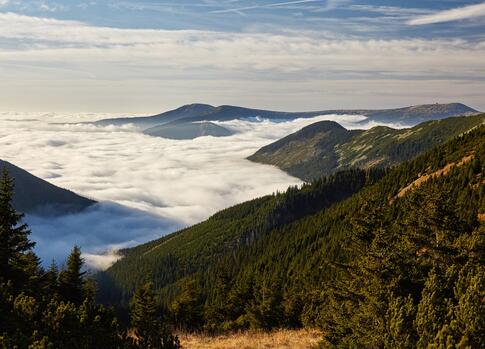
161	184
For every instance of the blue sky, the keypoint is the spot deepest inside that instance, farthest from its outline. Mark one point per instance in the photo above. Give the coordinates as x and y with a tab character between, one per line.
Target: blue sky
363	18
141	56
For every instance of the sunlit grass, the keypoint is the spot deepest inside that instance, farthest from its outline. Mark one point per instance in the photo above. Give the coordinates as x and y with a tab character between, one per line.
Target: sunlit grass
281	339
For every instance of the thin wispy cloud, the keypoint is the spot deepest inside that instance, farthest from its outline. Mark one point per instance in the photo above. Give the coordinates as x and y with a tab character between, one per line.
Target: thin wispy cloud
466	12
241	10
391	10
157	68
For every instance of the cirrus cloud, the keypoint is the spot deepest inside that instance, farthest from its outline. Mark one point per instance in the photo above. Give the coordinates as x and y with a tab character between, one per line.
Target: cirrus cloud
456	14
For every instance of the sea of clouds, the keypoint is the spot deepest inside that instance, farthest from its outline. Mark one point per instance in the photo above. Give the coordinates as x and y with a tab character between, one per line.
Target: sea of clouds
146	186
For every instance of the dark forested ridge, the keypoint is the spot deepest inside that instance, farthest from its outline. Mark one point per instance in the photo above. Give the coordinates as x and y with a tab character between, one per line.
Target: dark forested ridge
203	112
371	264
326	147
36	196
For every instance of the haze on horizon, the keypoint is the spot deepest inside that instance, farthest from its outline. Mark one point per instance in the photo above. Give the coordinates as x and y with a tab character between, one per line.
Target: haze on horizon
150	56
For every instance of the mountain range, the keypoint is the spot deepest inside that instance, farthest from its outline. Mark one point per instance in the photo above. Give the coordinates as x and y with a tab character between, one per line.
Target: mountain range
325	147
34	195
204	112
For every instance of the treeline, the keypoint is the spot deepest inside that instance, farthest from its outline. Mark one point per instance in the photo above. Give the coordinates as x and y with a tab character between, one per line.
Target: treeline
344	254
41	309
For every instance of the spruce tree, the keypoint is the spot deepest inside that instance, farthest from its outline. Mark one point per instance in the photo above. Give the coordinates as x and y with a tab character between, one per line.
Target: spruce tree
71	282
143	311
149	331
51	280
32	274
187	306
14	241
266	310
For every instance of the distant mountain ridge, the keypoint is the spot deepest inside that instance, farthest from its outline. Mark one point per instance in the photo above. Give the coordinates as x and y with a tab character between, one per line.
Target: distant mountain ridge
34	195
186	111
325	147
204	112
188	130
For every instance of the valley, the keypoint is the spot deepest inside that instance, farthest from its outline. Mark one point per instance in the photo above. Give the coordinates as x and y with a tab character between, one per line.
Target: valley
144	178
275	262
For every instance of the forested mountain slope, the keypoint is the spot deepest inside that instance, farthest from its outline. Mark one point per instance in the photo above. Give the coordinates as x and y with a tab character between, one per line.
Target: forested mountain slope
326	147
198	248
348	254
36	196
203	112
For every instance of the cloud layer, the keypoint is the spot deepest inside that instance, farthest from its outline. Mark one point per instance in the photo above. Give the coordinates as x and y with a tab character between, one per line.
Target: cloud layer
100	231
162	184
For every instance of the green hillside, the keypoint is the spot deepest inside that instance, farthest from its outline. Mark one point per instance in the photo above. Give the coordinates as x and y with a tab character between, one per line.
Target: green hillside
326	147
353	253
198	248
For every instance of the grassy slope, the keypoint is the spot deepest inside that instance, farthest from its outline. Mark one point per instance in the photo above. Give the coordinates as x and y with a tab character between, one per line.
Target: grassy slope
324	147
282	339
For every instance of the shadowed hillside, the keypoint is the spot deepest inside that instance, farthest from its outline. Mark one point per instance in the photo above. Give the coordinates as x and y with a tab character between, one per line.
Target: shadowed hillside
36	196
188	130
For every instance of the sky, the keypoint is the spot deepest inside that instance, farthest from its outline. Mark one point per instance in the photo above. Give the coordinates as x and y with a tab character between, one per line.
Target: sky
130	56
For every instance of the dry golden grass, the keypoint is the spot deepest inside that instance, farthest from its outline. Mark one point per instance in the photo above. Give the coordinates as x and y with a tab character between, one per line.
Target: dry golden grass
441	172
283	339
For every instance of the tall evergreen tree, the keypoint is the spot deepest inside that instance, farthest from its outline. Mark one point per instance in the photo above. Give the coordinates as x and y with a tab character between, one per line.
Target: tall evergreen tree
266	310
187	306
149	331
14	241
51	280
71	281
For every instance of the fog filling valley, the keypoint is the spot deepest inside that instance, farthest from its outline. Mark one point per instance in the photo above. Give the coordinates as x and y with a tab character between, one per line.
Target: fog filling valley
146	186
